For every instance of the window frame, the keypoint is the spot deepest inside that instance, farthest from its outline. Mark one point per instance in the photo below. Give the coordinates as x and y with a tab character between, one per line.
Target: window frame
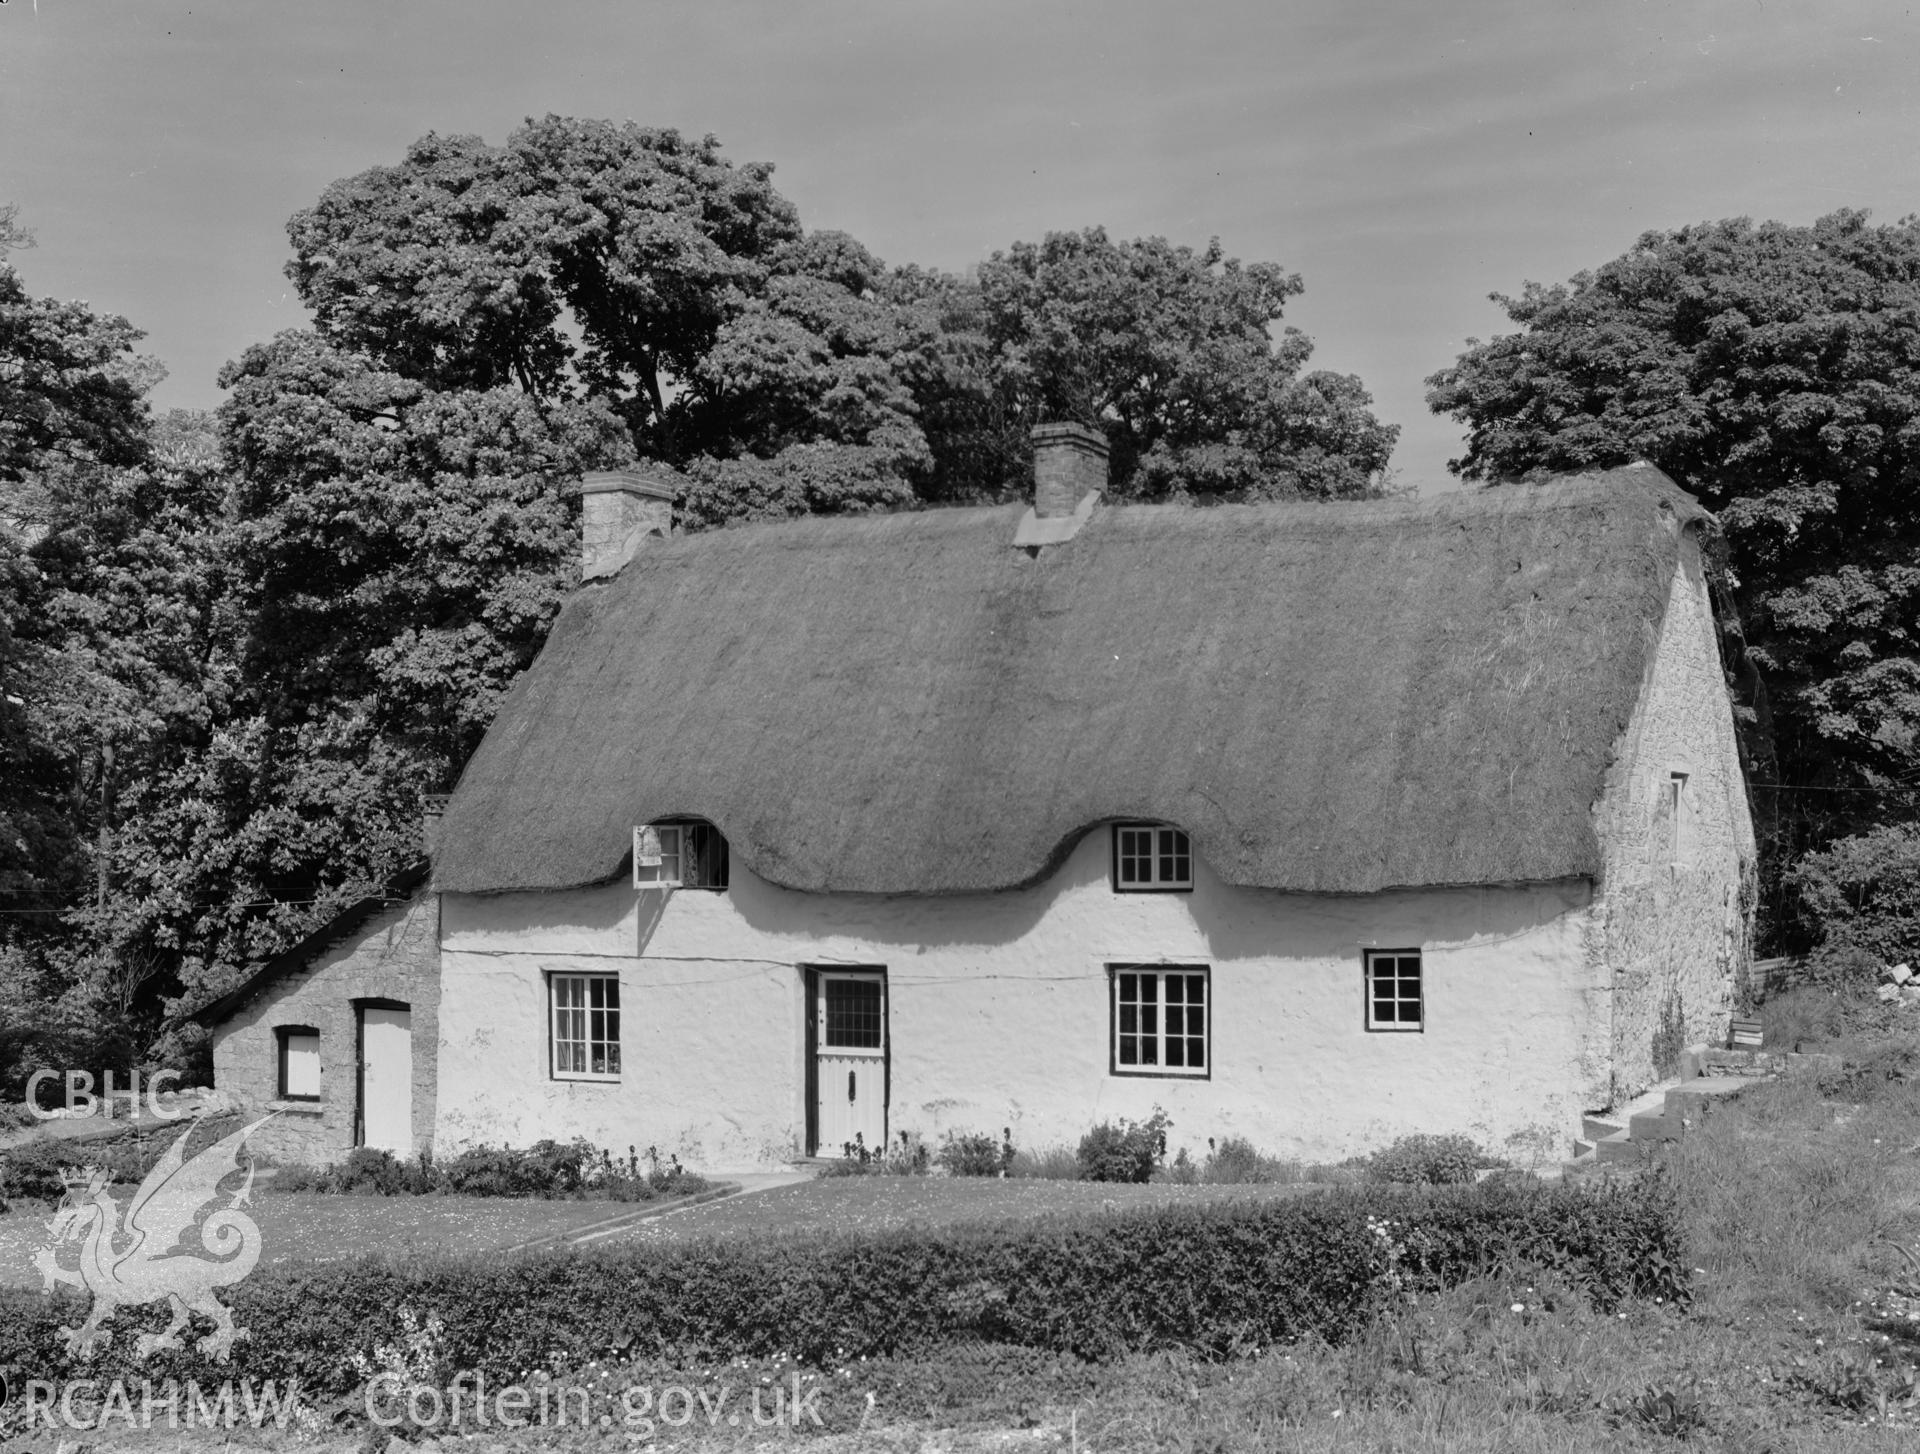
282	1034
1182	849
1160	1071
1368	999
554	979
1675	803
712	858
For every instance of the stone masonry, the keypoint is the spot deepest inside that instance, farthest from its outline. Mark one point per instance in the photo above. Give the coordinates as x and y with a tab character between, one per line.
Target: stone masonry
394	956
619	511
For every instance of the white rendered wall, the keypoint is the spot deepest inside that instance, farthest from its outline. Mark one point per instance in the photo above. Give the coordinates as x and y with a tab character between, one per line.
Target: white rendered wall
999	1013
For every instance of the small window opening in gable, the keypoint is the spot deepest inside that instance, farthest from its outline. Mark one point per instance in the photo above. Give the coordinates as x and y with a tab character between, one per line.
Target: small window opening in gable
1396	997
1676	808
1149	857
299	1047
686	854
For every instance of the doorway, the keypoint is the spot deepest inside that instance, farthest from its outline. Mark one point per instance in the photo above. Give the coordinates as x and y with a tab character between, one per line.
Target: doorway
847	1060
386	1076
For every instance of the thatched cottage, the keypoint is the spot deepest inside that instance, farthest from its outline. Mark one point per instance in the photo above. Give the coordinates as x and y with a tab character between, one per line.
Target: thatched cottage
1313	824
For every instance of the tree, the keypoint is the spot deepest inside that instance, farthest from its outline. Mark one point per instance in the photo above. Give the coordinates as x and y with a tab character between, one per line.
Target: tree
394	557
69	382
70	405
733	346
1774	371
1170	351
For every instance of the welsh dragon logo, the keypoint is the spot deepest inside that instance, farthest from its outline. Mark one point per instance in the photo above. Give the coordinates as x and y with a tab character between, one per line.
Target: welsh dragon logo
142	1261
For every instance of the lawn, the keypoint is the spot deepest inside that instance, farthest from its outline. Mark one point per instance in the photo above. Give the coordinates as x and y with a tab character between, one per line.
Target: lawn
880	1203
310	1228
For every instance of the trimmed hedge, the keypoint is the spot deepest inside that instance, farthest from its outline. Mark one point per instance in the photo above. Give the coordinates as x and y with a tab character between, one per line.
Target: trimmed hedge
1215	1279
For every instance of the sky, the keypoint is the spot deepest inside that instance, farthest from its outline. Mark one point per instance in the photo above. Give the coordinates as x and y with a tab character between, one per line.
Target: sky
1406	159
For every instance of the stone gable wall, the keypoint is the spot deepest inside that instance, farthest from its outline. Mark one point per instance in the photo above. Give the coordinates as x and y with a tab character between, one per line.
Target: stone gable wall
395	956
1673	932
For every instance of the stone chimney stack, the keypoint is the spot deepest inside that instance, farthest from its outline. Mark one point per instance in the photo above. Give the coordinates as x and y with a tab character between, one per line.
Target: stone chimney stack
1069	461
619	511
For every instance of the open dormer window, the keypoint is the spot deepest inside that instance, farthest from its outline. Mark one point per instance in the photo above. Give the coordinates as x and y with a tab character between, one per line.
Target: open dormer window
688	853
1150	856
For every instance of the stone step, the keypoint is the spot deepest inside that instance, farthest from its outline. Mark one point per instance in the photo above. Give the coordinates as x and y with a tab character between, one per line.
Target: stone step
1654	1126
1595	1126
1619	1147
1693	1100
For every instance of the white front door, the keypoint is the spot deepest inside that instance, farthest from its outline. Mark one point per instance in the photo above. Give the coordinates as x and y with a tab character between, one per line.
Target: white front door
386	1079
850	1060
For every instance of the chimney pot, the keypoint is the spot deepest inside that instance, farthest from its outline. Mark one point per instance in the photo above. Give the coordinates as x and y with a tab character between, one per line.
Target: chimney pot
619	511
1069	460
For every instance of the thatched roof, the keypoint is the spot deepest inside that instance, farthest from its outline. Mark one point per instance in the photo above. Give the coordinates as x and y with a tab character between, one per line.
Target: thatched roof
1328	697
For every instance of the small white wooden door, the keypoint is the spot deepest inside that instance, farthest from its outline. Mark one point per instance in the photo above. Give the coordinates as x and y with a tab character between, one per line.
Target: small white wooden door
386	1079
851	1060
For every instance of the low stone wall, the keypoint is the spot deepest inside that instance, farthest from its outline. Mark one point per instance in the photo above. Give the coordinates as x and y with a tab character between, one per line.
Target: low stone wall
1702	1060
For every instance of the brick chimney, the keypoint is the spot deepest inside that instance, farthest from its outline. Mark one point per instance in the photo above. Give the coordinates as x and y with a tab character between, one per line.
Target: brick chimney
619	510
1069	460
1069	472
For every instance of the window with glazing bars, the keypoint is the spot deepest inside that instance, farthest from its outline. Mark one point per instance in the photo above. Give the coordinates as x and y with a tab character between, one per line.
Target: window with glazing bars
1149	856
586	1026
1394	983
1161	1023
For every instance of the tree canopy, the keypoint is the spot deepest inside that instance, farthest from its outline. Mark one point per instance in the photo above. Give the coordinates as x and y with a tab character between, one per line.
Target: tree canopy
1170	349
1774	371
788	372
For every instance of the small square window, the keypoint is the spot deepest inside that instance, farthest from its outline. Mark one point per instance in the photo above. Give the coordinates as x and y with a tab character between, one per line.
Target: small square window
299	1062
1394	985
1160	1019
585	1015
1149	857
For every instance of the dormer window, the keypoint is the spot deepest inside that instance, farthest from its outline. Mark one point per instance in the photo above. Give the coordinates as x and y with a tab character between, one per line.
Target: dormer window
688	853
1150	857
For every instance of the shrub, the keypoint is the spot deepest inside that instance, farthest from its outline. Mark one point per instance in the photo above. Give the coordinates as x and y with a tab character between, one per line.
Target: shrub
1863	894
1817	1015
1427	1161
977	1154
370	1172
16	1116
546	1169
909	1158
296	1176
1056	1163
1212	1279
1235	1161
1127	1152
